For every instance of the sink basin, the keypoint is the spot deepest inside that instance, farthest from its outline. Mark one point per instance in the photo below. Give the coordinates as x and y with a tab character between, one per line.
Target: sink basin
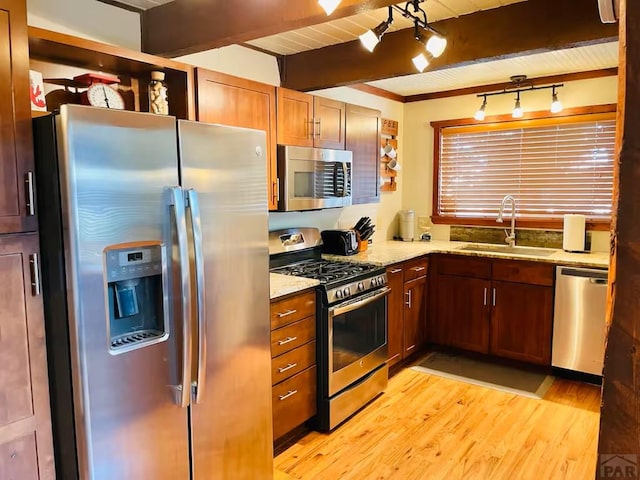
537	252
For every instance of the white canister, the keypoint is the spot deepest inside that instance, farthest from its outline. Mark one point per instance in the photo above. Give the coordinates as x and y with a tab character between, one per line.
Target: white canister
573	233
407	225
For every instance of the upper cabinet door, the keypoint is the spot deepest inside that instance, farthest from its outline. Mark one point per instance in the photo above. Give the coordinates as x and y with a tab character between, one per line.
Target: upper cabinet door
363	139
237	102
17	207
295	118
329	123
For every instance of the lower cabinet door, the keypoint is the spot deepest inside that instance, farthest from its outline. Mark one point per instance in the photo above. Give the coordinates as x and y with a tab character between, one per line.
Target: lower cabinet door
415	314
462	312
395	315
294	402
521	322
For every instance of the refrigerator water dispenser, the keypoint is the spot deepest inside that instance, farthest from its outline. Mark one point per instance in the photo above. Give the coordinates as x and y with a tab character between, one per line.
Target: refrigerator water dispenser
137	295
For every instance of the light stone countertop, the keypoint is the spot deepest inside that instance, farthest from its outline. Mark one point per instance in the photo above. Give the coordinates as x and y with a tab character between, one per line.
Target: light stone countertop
280	285
388	252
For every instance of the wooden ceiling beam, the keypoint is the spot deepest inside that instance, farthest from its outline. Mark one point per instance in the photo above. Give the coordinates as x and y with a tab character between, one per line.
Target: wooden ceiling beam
182	27
523	28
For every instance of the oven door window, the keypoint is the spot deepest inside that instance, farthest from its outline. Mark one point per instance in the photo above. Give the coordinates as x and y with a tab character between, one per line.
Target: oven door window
358	332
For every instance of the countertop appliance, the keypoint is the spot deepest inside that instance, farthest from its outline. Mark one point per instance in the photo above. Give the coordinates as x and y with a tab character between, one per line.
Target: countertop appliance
313	178
156	294
351	323
579	320
339	242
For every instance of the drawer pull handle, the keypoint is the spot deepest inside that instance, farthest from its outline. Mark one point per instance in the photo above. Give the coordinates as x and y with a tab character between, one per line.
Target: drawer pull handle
287	340
396	270
287	313
418	269
290	393
287	367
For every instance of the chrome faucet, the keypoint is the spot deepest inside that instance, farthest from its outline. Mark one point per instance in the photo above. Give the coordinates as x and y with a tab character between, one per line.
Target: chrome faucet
511	237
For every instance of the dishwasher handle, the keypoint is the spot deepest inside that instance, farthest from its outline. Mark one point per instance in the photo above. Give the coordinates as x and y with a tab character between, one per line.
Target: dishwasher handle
595	276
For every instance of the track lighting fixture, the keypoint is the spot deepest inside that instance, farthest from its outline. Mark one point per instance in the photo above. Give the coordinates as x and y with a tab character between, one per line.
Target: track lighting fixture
556	106
434	44
480	113
518	81
329	5
371	38
517	109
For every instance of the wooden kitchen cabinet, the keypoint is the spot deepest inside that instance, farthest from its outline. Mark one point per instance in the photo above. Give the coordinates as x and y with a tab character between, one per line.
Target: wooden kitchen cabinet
461	313
26	448
500	307
229	100
406	308
17	207
395	315
415	314
363	140
293	361
305	120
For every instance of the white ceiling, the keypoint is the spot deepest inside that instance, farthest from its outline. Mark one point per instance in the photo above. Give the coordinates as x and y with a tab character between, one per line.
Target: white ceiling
350	28
579	59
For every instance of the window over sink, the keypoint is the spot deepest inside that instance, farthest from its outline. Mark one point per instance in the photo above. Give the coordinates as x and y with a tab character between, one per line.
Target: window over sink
551	165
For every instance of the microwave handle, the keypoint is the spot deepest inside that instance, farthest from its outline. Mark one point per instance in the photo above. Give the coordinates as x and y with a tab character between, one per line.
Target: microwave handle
345	173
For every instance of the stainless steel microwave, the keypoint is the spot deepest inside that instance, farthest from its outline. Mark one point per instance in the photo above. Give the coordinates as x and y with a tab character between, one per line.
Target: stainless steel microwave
313	178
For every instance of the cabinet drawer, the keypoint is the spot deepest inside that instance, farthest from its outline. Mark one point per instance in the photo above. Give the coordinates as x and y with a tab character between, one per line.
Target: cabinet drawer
294	401
292	309
518	271
292	336
465	267
293	362
415	268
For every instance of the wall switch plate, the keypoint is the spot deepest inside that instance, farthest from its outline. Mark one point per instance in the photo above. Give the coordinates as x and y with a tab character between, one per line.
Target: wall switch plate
423	222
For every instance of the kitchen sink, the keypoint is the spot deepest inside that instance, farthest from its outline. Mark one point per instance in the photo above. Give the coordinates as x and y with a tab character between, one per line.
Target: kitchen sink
537	252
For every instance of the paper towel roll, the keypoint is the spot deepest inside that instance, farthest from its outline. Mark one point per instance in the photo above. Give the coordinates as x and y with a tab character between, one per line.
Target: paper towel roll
573	233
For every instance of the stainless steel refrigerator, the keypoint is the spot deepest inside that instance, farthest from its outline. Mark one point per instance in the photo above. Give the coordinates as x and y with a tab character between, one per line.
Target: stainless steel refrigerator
154	244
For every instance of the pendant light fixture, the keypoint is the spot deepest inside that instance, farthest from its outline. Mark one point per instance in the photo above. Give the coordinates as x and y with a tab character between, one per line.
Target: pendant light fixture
434	44
518	87
329	5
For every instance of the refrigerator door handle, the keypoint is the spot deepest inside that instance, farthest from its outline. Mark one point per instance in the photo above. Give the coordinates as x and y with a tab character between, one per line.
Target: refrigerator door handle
177	203
196	231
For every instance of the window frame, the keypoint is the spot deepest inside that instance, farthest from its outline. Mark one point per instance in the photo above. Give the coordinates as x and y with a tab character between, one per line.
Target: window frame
493	122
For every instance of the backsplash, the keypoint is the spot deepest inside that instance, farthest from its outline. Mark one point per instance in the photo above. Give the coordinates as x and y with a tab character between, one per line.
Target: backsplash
529	238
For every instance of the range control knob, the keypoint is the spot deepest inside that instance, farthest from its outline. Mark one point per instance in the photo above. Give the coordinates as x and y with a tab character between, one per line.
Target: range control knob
381	280
374	282
347	292
338	293
360	286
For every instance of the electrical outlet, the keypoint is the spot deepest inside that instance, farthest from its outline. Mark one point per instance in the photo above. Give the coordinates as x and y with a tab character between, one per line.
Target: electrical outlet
423	222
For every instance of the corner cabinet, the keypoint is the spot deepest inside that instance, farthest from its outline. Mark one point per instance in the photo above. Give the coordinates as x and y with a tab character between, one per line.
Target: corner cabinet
500	307
308	121
234	101
17	207
26	445
363	139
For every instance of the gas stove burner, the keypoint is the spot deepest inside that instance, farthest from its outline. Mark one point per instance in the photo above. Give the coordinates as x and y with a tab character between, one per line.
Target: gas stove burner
324	270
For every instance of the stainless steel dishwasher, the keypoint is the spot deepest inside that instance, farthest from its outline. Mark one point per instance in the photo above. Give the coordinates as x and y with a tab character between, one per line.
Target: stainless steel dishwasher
579	319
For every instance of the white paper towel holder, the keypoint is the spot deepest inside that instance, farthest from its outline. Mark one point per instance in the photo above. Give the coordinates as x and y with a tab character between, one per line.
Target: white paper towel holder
573	233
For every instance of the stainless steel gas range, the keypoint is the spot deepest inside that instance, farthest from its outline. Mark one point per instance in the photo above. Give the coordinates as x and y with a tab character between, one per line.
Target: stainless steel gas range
351	323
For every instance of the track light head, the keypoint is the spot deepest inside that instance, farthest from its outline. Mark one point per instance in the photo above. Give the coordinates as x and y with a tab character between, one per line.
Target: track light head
421	62
436	45
556	105
371	38
480	113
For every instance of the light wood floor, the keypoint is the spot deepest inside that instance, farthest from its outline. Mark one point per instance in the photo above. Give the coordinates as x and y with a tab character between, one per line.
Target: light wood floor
427	427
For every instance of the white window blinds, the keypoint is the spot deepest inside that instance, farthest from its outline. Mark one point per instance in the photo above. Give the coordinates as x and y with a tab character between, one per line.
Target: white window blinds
551	167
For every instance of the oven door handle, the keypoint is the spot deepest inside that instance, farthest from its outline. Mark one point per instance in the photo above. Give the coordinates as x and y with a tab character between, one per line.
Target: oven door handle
339	310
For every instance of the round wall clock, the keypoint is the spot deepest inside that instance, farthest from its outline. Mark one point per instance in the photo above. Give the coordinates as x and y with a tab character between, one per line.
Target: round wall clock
100	92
